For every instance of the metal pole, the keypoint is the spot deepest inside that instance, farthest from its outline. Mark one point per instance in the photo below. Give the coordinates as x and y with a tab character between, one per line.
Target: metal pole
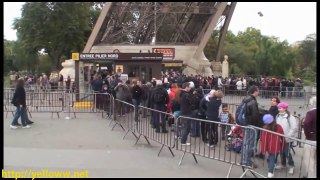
155	22
68	117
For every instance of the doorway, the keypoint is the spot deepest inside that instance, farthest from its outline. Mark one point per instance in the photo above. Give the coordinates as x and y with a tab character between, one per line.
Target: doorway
140	72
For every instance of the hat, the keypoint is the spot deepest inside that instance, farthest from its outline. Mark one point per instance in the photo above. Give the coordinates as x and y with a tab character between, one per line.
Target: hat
268	119
283	105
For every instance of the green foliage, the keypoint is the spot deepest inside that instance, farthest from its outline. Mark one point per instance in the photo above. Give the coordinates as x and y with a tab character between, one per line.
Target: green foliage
57	27
7	57
251	53
307	82
45	64
6	80
212	45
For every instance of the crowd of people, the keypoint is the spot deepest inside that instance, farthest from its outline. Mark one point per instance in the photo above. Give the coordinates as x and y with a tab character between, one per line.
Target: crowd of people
44	82
182	95
186	98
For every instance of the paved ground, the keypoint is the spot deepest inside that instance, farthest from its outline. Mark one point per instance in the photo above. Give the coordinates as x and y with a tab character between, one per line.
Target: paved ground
87	143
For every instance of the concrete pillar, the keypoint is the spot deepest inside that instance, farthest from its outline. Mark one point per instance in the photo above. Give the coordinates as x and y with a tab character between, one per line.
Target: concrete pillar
81	78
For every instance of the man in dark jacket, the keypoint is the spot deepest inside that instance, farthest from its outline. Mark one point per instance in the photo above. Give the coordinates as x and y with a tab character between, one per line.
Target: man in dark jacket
186	110
19	100
136	92
310	131
253	119
157	117
213	115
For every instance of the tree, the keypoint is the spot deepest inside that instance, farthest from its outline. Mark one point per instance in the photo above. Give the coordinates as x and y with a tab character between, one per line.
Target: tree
58	27
306	58
8	56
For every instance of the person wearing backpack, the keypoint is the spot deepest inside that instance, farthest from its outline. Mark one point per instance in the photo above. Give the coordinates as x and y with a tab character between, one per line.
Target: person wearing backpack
250	112
290	127
159	99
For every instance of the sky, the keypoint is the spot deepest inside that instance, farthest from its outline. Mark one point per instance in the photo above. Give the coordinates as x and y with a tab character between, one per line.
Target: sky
291	21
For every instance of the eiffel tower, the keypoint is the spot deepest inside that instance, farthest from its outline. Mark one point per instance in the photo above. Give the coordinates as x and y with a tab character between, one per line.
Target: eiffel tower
140	26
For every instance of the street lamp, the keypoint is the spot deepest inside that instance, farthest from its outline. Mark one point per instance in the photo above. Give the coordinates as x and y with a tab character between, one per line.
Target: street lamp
261	15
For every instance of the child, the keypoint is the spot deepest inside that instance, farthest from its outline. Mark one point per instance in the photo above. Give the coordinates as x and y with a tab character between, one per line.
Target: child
271	143
289	125
225	117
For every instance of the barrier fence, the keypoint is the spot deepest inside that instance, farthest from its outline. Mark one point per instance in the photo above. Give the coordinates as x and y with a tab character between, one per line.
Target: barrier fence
124	116
156	126
197	137
62	102
227	147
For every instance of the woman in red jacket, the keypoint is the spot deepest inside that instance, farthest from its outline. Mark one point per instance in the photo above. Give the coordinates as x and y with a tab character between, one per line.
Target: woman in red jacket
271	143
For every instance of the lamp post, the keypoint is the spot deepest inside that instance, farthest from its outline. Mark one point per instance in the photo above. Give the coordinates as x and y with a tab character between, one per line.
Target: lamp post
259	60
261	15
155	22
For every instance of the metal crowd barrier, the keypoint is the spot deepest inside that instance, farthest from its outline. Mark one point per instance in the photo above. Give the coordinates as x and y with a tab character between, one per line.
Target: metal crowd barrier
8	107
45	102
88	103
214	142
226	143
124	116
59	101
7	97
302	156
147	127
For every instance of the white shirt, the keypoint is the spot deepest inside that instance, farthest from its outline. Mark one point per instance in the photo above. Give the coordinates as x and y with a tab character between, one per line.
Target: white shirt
239	85
244	82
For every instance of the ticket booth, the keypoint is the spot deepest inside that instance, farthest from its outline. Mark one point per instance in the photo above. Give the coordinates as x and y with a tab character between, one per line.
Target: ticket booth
142	66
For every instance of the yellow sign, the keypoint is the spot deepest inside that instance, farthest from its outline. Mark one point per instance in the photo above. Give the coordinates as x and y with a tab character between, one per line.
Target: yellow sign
172	64
119	69
75	56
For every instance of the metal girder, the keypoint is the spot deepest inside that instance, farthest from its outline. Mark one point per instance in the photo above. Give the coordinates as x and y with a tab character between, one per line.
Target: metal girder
171	22
171	8
223	30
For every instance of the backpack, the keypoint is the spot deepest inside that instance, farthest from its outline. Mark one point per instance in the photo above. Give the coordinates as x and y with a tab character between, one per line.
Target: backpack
158	97
14	101
237	146
241	113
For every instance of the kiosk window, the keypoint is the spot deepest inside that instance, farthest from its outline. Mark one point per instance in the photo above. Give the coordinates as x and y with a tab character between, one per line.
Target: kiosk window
133	71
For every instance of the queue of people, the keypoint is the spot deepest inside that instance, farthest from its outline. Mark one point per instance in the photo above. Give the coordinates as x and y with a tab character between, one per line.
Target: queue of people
186	99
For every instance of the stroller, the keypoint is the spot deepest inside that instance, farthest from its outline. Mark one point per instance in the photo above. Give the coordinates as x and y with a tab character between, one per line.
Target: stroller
234	139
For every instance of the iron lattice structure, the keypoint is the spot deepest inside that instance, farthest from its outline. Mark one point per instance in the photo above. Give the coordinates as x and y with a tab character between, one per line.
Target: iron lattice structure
170	22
